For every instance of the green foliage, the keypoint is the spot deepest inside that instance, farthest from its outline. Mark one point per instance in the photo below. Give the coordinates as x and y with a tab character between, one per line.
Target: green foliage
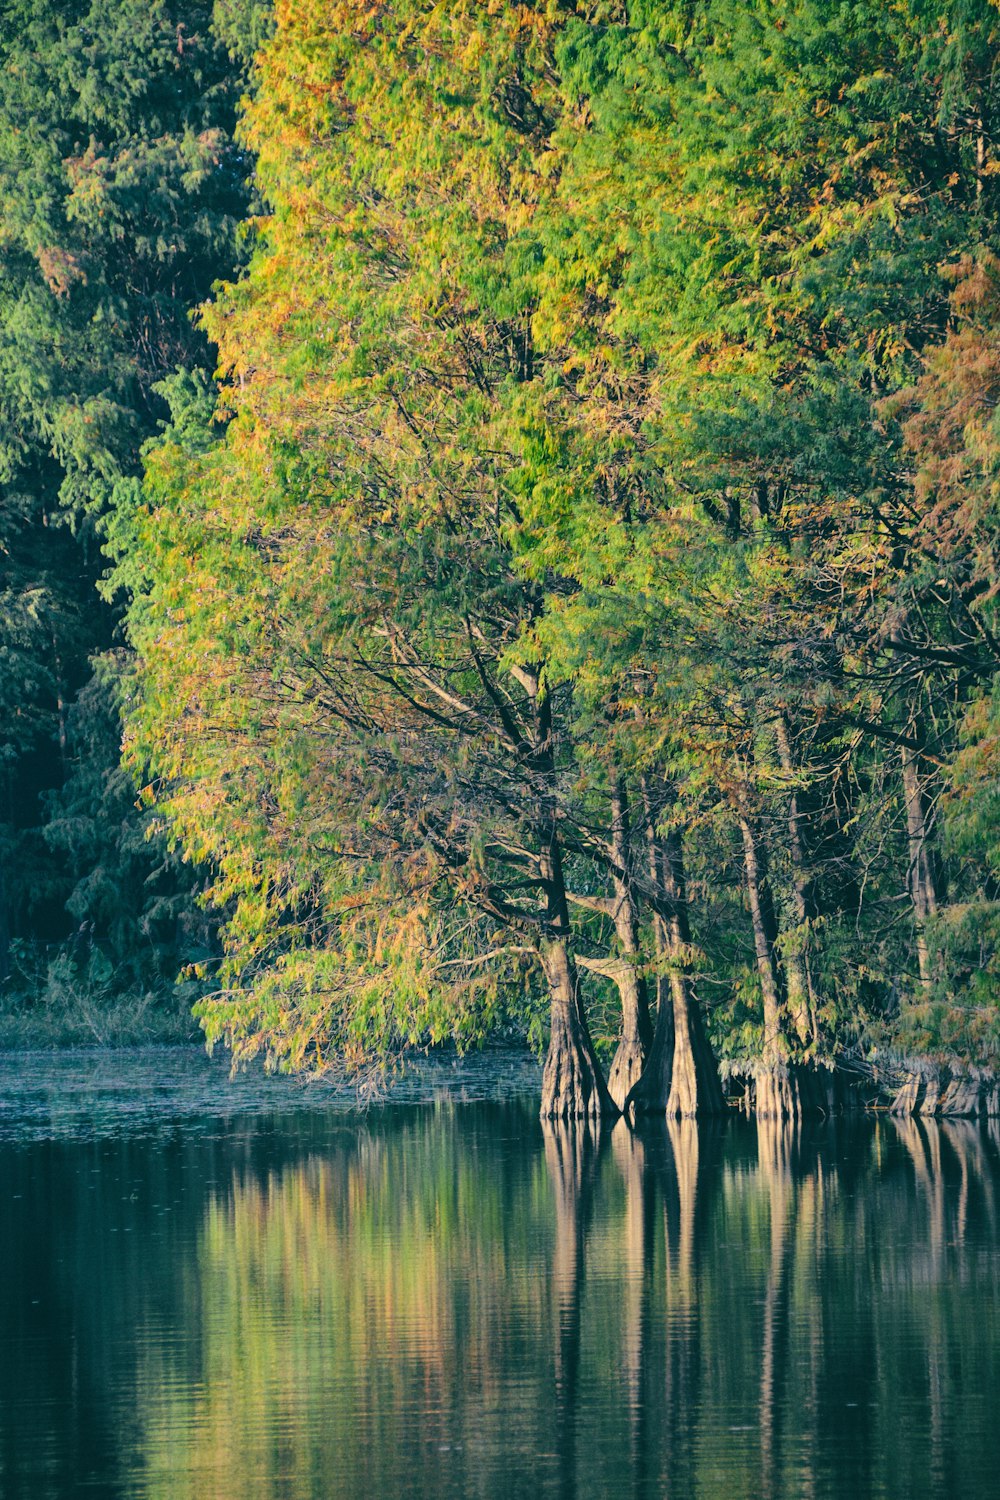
121	191
602	414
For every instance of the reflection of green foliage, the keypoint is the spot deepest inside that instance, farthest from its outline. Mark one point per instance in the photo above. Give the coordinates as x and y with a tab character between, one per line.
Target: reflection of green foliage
359	1283
396	1313
442	1300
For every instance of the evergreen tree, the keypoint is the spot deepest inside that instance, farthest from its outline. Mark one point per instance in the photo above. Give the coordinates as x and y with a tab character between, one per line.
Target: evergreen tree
121	191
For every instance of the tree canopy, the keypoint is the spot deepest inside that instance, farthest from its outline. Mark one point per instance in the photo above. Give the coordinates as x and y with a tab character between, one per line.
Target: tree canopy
570	602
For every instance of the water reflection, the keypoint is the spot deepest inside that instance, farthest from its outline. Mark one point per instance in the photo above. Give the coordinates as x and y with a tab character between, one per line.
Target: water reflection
452	1301
571	1156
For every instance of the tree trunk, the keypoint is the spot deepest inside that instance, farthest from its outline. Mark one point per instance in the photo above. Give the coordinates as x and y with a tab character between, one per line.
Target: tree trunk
637	1028
908	1096
572	1082
650	1093
776	1092
934	1085
694	1086
6	833
661	935
635	1043
922	874
681	1077
798	975
60	709
765	937
962	1097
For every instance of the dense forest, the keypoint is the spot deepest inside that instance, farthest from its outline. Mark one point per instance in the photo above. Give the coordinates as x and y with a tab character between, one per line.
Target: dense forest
122	190
518	483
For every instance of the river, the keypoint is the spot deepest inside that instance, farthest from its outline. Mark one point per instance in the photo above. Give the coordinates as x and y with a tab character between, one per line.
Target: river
216	1290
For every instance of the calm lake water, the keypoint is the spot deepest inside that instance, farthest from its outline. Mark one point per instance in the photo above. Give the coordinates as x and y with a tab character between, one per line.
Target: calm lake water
216	1290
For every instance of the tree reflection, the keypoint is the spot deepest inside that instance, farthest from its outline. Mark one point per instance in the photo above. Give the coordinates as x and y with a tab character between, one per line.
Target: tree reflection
450	1303
777	1141
630	1152
571	1153
792	1175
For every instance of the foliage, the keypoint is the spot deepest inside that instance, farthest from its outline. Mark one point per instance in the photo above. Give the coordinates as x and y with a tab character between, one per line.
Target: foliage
122	191
589	556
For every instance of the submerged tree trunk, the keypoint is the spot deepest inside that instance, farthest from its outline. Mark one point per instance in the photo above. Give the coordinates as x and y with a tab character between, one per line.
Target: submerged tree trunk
681	1078
922	874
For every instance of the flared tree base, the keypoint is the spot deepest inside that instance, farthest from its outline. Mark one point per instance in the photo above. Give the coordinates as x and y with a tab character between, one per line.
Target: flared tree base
778	1093
695	1090
788	1091
573	1086
681	1079
626	1069
937	1091
651	1090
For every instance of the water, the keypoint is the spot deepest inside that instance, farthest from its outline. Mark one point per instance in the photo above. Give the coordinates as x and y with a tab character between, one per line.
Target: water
216	1290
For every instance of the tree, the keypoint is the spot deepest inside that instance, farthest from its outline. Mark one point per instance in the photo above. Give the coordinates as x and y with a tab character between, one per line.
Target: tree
561	594
122	191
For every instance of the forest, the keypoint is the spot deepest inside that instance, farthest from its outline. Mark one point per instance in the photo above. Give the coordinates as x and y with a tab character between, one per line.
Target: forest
500	538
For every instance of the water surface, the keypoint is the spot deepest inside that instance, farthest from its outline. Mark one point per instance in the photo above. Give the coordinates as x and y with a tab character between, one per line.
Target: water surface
216	1290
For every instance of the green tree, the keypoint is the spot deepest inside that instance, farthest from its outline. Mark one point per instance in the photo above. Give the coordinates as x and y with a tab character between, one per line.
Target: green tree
568	591
121	192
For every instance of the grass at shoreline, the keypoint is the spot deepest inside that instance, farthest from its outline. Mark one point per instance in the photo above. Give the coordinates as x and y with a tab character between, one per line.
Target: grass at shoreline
83	1020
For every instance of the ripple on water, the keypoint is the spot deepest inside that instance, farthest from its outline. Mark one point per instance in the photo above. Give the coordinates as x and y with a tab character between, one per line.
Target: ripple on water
80	1093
